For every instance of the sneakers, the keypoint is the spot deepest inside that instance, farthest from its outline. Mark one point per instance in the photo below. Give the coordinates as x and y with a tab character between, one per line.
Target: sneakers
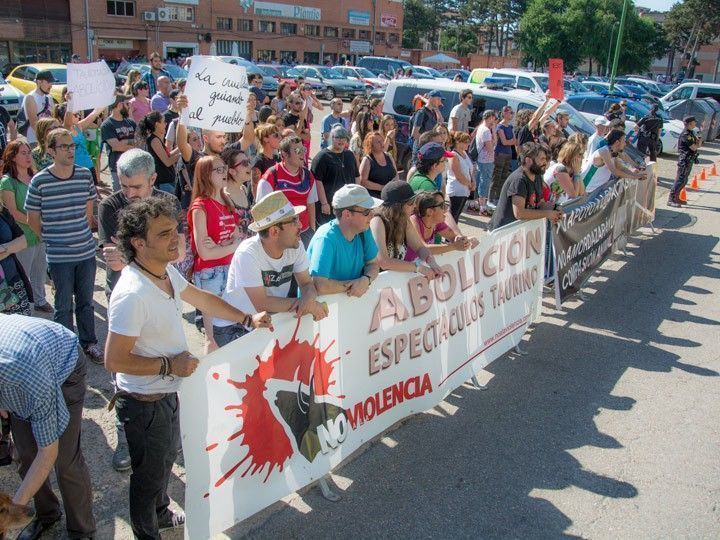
45	308
95	354
173	520
673	203
121	458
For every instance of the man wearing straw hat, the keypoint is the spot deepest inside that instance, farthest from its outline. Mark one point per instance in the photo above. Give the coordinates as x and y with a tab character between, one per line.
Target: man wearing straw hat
268	269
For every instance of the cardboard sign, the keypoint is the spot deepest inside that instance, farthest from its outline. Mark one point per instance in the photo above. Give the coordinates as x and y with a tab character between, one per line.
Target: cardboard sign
556	84
217	95
92	85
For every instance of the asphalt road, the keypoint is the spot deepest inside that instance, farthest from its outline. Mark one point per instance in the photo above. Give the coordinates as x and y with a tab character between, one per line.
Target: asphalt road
609	428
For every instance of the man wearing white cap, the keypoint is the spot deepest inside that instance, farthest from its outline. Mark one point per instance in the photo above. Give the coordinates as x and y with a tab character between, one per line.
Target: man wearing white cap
267	269
602	125
343	254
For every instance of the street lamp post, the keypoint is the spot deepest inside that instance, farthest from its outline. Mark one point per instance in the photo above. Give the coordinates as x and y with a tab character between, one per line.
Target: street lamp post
618	45
607	64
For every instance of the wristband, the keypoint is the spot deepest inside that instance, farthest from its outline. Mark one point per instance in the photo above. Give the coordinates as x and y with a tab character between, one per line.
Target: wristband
369	279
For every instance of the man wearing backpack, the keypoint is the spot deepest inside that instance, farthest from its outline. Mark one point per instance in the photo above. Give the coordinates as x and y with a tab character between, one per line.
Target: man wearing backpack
295	180
426	118
36	105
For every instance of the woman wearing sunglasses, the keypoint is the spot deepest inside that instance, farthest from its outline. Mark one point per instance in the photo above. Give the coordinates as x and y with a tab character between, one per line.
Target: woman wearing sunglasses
238	187
213	231
394	234
428	219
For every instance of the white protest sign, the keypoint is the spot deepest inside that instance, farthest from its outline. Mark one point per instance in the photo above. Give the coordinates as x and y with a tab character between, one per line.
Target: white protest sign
217	95
92	85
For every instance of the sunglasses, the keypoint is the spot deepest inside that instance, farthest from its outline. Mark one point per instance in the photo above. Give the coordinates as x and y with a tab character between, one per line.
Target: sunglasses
242	163
299	150
442	205
365	212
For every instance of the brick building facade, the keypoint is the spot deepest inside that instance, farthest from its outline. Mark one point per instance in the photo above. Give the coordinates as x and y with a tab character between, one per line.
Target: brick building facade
310	31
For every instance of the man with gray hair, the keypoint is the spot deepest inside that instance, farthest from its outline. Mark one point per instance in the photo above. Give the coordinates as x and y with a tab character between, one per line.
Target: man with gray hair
161	100
136	170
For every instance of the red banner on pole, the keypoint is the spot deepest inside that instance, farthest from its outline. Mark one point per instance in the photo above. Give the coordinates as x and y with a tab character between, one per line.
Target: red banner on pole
556	84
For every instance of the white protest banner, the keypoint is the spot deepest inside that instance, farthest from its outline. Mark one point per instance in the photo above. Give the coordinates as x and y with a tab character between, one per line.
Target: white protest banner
92	85
217	94
272	412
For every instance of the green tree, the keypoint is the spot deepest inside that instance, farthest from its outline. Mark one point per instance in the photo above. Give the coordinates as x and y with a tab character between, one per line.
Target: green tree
419	20
460	39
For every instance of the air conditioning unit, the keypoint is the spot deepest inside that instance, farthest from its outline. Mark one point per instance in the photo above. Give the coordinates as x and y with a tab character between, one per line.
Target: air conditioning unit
163	14
149	16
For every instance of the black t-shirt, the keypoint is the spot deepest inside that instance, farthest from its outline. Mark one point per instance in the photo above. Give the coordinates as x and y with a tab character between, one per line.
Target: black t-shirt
650	126
334	170
9	231
524	135
122	130
263	163
165	173
291	120
108	211
687	139
425	119
4	133
516	184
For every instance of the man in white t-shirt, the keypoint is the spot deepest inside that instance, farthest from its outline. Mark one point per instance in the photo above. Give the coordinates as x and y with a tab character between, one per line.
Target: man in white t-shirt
147	350
602	126
460	115
269	268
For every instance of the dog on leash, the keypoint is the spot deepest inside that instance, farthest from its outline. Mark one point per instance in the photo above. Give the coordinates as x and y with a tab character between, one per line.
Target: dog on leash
13	516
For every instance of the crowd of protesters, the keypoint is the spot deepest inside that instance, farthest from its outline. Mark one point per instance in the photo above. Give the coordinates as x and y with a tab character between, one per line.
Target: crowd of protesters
239	225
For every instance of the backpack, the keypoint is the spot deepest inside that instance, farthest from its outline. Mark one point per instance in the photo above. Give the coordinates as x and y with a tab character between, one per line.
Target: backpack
472	151
22	122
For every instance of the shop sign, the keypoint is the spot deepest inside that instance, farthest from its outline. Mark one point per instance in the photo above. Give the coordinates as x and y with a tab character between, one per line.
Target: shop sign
287	11
359	18
388	20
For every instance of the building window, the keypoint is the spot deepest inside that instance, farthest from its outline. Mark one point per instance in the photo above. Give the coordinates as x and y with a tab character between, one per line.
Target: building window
265	55
288	28
181	13
348	33
379	37
393	38
234	48
288	56
311	58
363	34
266	26
245	25
123	8
312	30
224	23
331	31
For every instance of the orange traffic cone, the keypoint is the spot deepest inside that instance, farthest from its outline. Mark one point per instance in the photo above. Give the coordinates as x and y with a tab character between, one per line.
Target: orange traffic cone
694	184
713	171
703	174
683	195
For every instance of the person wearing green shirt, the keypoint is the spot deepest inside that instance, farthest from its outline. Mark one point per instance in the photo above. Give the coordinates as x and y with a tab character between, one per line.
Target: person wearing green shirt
16	174
432	160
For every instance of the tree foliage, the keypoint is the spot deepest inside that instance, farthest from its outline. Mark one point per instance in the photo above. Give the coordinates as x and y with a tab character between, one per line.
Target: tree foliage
579	30
420	20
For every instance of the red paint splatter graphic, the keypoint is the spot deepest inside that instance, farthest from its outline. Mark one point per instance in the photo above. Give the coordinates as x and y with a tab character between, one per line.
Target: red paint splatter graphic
269	446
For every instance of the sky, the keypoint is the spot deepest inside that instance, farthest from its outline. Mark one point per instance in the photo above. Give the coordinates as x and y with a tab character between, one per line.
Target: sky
656	5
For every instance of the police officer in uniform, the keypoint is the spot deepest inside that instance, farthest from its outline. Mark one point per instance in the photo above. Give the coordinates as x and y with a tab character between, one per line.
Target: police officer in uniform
648	129
688	146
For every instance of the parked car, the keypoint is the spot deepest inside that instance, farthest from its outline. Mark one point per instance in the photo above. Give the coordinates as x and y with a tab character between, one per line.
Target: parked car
10	97
386	66
281	75
337	85
23	78
451	73
623	91
650	86
364	75
715	127
703	113
593	105
176	72
524	80
269	84
425	70
691	91
571	86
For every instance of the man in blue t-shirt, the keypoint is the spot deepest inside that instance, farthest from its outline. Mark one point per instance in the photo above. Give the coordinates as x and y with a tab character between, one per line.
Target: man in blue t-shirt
335	117
343	254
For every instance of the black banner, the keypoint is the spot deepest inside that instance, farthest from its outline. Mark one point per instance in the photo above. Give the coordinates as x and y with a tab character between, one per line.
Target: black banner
592	227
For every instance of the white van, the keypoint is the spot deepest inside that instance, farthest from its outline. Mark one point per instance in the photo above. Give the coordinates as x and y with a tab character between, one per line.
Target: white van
524	80
691	91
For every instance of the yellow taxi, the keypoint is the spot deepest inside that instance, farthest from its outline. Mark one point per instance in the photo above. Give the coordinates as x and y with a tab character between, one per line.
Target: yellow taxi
23	78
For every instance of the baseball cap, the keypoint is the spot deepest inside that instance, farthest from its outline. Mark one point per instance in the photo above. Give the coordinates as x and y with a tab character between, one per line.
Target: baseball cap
433	151
354	195
435	93
272	209
601	121
397	191
339	132
45	75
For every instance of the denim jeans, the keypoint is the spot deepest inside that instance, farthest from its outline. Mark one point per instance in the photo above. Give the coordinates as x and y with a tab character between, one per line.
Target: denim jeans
167	188
75	281
34	262
211	280
484	177
227	334
152	430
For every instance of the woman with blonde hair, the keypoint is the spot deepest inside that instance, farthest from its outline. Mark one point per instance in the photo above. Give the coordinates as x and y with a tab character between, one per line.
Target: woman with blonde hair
40	157
377	167
461	173
563	175
133	76
388	130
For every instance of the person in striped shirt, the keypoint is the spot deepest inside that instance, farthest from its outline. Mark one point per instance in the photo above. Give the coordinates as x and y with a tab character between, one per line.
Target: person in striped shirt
59	206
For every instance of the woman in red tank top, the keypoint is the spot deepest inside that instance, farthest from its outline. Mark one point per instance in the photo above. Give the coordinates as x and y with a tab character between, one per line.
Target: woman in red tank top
213	231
